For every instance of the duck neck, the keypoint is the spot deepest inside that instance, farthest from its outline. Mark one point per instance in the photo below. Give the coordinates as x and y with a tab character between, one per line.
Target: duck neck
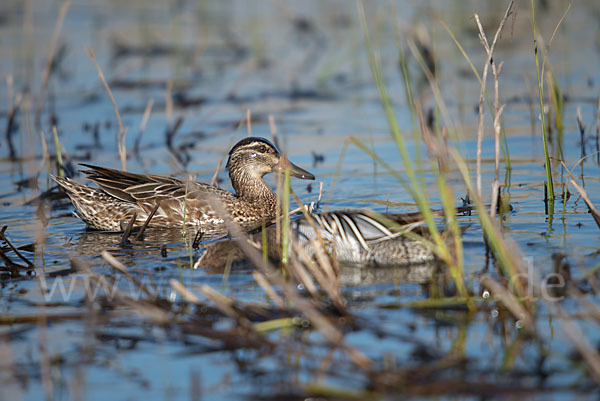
252	188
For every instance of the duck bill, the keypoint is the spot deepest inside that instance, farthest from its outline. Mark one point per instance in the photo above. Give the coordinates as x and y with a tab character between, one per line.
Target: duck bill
295	171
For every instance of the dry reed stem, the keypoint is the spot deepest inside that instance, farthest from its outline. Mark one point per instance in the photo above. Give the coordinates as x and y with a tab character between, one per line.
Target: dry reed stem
143	124
584	195
117	265
122	149
508	299
299	303
301	274
10	121
11	386
494	203
329	266
213	180
278	214
307	215
273	129
580	341
439	150
10	82
249	122
581	131
159	315
506	255
489	50
45	363
320	195
279	180
14	249
590	307
328	279
185	293
45	153
323	270
554	33
598	130
122	130
431	79
146	115
62	13
169	102
496	185
338	168
268	289
225	305
497	113
328	283
114	262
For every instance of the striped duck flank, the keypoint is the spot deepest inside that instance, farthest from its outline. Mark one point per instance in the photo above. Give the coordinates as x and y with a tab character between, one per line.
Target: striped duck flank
122	194
352	236
361	237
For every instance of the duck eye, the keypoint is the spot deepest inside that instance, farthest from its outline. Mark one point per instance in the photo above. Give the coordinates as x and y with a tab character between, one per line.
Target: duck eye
263	149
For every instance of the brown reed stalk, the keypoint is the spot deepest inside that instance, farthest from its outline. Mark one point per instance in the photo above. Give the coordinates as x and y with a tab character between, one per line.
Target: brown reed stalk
122	130
249	121
299	303
273	129
213	180
268	288
584	195
490	50
62	13
497	115
145	118
502	295
169	102
579	339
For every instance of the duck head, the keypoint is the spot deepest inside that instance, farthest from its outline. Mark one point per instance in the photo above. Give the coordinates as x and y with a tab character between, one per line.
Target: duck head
254	157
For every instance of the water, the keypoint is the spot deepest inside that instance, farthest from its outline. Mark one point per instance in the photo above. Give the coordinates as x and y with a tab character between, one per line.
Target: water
305	65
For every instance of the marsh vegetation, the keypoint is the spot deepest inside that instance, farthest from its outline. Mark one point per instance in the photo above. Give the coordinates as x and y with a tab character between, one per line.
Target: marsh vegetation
478	124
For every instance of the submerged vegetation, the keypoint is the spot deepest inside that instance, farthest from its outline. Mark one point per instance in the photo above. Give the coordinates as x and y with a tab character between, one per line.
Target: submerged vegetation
500	304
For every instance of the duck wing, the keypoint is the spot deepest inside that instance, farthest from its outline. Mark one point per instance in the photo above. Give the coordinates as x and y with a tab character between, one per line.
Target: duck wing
179	200
132	187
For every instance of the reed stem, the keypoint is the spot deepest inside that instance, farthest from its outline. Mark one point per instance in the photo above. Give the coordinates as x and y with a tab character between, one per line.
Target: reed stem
549	184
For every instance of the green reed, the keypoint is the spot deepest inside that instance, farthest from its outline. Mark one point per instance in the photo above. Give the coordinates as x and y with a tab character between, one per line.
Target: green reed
441	154
549	184
416	186
506	257
558	104
59	161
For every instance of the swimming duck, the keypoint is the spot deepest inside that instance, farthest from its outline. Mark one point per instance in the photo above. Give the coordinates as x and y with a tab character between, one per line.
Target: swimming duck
352	236
121	194
361	237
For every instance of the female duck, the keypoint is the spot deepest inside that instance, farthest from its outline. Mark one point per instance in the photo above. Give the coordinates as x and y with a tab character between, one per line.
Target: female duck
121	194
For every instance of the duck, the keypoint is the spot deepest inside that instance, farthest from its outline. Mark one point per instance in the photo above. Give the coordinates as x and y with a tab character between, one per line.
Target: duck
354	237
364	238
176	202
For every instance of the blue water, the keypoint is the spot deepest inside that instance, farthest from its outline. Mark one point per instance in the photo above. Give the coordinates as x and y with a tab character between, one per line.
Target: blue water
305	65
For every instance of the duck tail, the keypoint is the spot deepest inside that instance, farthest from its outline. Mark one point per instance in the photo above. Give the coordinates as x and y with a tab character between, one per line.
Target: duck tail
98	209
68	185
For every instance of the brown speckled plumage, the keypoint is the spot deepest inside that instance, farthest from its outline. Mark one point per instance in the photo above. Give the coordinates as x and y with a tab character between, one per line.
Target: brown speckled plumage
121	194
